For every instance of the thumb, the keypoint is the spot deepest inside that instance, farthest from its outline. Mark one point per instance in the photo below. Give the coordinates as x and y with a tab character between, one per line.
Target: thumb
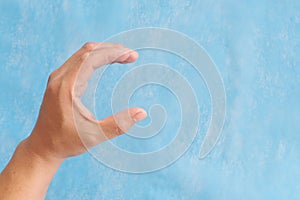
121	122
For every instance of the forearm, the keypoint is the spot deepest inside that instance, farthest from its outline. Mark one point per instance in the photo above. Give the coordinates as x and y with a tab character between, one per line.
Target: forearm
27	175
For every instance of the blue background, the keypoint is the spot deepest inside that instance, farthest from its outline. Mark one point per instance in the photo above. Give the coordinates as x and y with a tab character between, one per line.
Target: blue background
256	47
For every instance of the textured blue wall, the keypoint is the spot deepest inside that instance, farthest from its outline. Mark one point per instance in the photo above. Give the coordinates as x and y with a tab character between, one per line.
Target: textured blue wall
256	46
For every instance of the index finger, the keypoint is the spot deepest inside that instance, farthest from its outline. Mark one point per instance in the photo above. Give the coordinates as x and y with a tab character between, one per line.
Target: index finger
102	54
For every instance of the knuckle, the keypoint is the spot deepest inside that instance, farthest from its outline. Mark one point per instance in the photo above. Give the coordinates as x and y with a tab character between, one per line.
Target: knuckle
52	88
58	88
51	77
89	46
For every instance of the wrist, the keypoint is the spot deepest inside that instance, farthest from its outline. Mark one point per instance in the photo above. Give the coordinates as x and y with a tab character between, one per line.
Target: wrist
38	152
28	174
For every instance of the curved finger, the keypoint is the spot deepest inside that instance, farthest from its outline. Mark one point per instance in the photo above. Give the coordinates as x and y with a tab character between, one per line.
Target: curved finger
87	47
98	57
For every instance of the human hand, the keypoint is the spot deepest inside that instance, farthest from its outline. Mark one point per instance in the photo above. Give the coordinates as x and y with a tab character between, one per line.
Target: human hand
62	114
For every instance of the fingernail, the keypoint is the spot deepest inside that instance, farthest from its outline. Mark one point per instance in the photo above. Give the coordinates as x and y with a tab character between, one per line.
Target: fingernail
139	116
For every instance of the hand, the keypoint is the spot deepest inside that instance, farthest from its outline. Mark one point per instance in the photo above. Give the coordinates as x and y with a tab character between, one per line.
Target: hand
62	114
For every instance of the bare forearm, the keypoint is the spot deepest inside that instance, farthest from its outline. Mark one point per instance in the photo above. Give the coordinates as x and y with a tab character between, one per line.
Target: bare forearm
27	175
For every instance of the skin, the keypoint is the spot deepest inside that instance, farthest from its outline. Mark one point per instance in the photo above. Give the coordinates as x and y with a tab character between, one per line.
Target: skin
64	127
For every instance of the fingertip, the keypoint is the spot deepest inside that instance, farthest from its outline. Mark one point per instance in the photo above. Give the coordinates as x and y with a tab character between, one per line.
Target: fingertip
133	56
139	114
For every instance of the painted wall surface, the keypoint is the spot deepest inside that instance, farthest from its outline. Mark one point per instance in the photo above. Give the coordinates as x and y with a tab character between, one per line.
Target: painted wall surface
256	47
